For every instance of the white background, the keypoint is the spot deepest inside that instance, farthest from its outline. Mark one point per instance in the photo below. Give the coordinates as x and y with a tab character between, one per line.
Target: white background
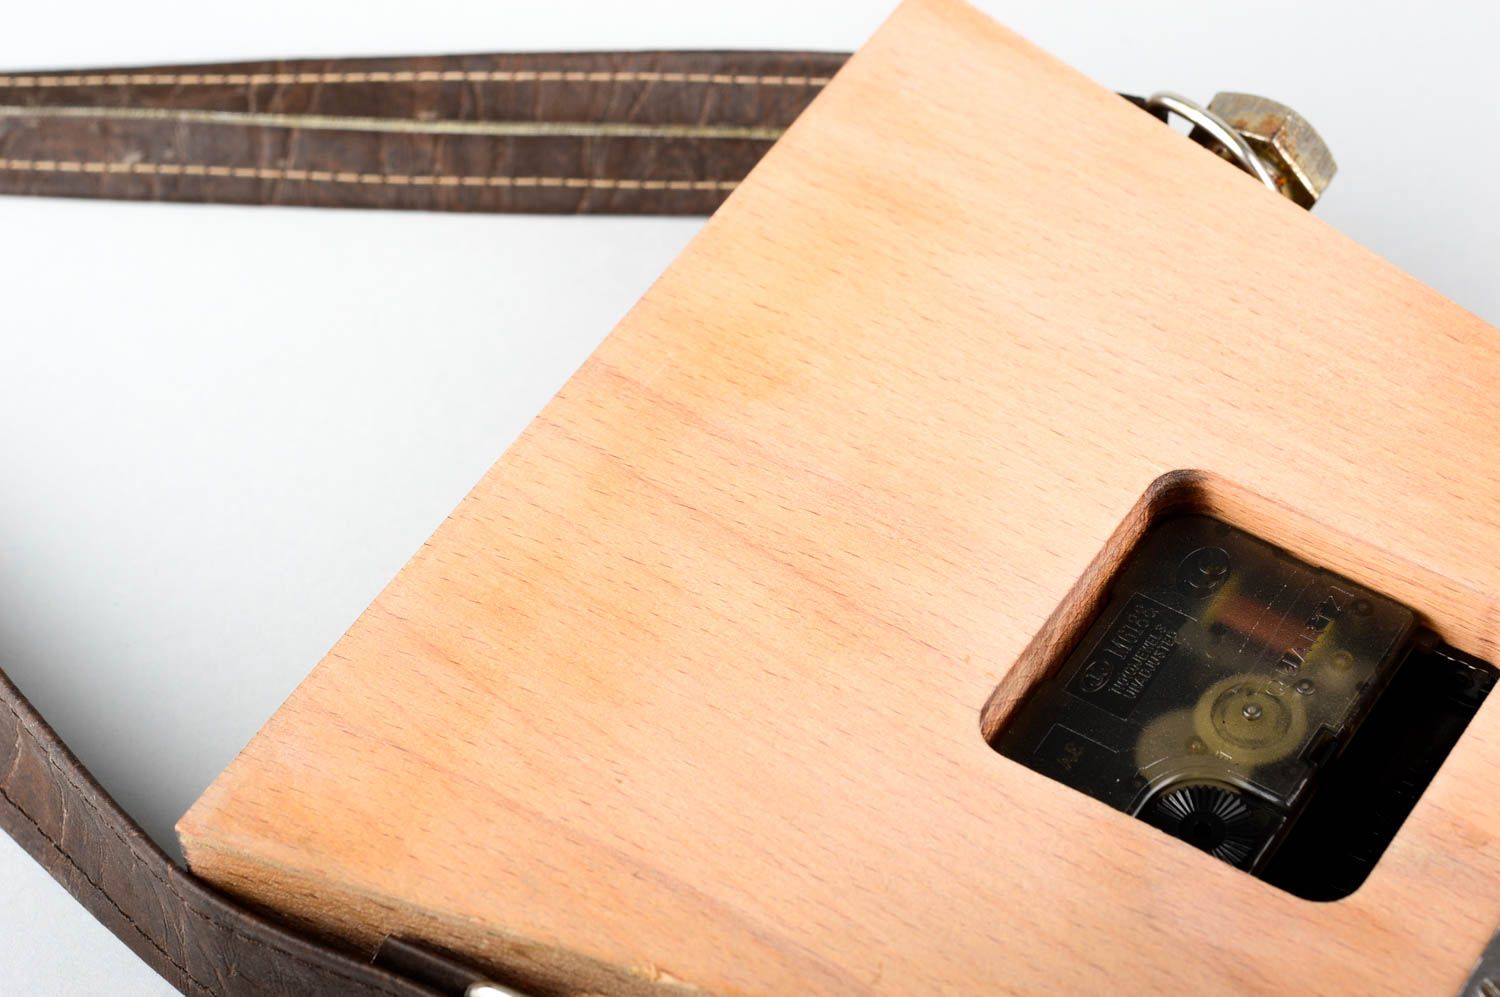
223	429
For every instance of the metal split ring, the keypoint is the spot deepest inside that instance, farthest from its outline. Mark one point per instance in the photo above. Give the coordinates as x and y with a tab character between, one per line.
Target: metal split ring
1201	117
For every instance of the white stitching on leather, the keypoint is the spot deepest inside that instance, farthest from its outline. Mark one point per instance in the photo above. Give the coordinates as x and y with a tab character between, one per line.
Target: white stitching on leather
403	76
345	177
410	126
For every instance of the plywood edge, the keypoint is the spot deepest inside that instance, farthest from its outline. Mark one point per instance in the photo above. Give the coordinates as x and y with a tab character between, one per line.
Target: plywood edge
311	902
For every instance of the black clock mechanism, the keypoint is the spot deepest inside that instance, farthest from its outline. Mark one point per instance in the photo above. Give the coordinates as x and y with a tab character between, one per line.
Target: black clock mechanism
1278	716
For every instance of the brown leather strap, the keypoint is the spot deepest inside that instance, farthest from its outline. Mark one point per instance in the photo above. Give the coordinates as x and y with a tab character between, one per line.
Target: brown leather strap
200	942
645	132
634	132
648	132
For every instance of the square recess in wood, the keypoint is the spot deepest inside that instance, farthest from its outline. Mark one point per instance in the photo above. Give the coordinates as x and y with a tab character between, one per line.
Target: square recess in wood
1277	715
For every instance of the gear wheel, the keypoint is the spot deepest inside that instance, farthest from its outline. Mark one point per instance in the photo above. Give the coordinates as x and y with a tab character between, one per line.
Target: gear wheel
1210	817
1242	719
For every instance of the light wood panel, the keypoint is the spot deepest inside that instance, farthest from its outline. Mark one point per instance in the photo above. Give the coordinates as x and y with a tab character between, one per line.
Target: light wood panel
688	691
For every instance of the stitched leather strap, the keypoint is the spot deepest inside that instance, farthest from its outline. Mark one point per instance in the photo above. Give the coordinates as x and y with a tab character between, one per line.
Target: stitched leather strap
200	942
637	132
650	132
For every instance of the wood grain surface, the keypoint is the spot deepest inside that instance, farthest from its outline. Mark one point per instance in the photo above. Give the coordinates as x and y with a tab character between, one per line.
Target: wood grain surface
692	690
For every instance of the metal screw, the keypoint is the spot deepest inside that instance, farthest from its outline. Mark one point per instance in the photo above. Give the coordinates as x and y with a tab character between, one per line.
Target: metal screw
1291	149
1252	711
485	988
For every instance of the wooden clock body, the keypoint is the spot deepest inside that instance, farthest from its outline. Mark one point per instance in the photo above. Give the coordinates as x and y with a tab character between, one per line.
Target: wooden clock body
694	689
